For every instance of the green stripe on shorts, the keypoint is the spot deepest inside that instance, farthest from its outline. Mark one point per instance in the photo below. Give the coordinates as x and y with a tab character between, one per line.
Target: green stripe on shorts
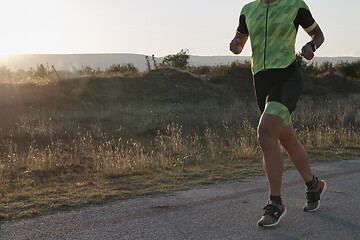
280	110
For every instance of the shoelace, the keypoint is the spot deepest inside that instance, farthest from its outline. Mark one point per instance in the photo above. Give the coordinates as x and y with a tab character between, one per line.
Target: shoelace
313	195
272	210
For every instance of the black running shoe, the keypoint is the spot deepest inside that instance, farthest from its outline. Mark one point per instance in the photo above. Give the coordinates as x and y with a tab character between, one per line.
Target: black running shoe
313	196
273	214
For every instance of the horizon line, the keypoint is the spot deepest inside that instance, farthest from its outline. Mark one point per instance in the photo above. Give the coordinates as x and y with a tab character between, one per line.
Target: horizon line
140	54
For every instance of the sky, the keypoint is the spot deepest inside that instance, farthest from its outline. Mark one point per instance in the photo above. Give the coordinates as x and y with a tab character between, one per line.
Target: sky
159	27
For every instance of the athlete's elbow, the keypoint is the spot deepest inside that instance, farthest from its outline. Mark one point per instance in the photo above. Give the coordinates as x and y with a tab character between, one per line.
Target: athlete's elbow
238	49
236	52
320	38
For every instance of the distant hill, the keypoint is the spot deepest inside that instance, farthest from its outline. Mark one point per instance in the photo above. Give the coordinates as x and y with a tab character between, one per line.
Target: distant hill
102	61
66	61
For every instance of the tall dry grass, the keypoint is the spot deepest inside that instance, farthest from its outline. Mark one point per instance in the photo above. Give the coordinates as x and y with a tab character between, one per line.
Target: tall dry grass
166	118
43	143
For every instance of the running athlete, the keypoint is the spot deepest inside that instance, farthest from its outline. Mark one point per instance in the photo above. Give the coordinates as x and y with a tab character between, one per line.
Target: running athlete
272	26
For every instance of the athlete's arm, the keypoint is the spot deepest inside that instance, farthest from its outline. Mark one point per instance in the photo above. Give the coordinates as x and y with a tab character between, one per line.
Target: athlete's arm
317	38
242	35
237	44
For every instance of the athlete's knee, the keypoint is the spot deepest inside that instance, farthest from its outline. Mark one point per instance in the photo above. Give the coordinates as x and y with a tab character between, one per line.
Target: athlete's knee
288	142
267	134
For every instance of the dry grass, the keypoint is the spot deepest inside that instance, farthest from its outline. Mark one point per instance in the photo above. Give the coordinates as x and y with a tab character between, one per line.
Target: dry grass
81	148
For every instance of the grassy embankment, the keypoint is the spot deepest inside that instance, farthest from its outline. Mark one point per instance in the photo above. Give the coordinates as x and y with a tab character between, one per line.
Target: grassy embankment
86	140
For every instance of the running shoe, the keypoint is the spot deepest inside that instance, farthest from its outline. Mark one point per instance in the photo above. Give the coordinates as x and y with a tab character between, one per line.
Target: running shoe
313	195
273	214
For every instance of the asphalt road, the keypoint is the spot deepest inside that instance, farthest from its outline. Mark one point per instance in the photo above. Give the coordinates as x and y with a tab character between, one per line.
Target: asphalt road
223	211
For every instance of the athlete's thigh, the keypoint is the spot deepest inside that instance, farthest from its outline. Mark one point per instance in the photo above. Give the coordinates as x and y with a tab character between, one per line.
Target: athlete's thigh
264	82
291	90
275	93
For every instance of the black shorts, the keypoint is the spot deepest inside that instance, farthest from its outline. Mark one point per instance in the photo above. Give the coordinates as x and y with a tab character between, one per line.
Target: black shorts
282	85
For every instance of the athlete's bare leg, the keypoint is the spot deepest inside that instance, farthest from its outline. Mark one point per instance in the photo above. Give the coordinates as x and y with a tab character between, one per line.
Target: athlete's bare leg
296	152
269	129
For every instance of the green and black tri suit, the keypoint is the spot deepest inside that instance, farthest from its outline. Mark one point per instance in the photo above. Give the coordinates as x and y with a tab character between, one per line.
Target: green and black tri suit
272	29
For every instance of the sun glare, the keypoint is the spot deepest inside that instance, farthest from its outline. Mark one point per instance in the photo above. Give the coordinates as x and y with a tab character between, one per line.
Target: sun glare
30	27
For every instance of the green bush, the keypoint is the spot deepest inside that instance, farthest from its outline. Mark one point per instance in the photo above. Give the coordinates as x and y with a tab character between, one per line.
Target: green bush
127	70
179	60
351	70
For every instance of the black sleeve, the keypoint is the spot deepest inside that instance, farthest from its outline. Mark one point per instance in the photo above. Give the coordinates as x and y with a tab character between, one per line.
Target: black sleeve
242	25
303	18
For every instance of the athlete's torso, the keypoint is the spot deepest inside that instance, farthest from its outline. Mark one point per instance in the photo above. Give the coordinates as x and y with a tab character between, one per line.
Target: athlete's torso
272	29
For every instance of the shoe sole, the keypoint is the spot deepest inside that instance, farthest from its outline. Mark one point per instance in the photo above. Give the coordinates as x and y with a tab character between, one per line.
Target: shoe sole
277	222
321	195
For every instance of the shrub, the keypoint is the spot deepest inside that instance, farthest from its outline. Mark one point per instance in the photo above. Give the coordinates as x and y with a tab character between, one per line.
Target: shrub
87	71
179	60
127	70
41	71
351	70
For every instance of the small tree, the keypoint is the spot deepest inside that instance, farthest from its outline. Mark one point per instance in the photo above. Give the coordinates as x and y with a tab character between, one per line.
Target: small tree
179	60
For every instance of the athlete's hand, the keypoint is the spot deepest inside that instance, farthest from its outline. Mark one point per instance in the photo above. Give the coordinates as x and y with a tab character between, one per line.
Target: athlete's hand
307	52
235	46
